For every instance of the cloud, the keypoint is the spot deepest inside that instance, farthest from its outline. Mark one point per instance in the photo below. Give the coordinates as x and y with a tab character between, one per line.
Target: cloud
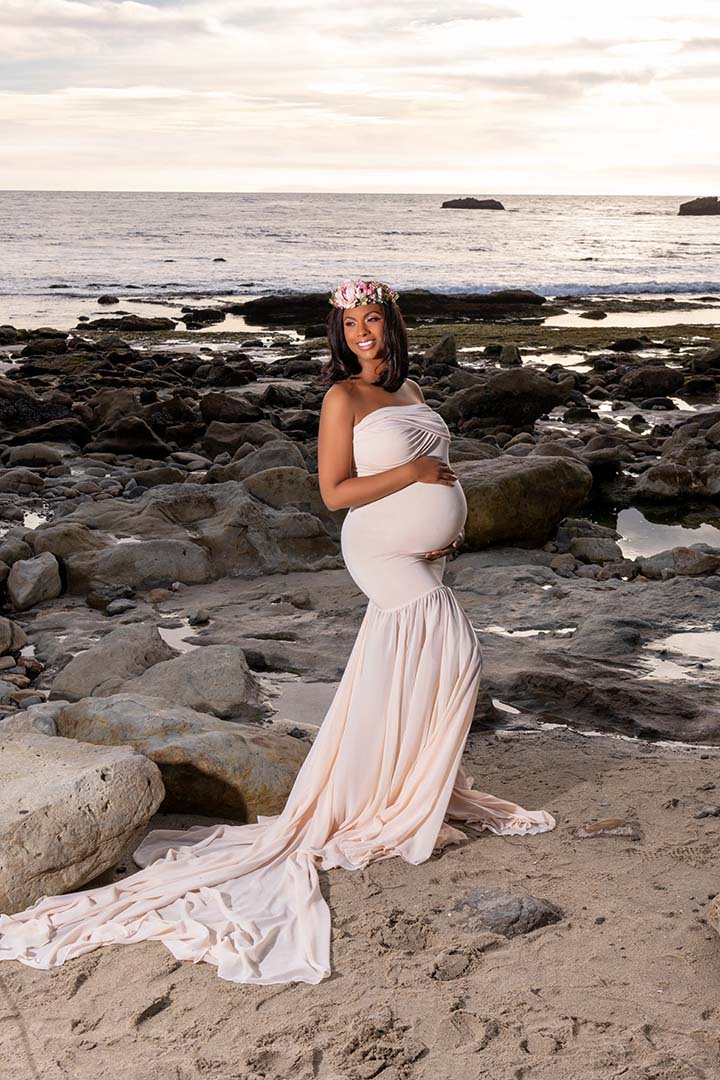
173	93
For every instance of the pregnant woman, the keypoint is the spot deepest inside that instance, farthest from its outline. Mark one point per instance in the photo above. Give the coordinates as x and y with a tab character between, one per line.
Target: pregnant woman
384	771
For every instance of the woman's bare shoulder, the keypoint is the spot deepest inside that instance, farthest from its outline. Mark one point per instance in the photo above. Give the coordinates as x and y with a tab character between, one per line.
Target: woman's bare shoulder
412	385
338	399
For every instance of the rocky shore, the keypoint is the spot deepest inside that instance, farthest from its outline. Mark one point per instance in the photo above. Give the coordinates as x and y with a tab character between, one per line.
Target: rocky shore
176	615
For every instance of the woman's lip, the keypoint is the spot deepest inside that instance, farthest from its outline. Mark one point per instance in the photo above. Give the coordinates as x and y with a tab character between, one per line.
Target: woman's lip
368	346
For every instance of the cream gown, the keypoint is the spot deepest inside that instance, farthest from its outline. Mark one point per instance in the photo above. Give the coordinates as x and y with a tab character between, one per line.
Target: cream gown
382	775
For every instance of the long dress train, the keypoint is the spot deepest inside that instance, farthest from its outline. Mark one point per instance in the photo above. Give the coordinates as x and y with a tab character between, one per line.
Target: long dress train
380	780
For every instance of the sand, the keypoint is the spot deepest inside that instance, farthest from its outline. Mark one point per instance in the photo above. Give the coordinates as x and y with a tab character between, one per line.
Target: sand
624	985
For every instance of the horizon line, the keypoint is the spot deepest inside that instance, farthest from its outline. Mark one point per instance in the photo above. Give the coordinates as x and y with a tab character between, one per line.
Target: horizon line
287	191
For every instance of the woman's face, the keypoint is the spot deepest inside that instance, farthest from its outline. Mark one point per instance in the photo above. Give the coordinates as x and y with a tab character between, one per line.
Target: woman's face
364	327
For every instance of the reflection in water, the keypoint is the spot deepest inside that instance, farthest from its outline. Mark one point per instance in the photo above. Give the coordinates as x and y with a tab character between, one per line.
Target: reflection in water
640	537
676	317
179	637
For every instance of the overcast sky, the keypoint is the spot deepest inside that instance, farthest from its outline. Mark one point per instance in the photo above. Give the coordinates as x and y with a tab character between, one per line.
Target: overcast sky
403	95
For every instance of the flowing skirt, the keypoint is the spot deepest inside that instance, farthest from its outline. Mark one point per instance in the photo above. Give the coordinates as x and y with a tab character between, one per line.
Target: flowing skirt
382	779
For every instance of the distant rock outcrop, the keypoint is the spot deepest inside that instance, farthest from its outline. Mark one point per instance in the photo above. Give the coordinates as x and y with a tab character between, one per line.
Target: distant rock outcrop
472	204
699	207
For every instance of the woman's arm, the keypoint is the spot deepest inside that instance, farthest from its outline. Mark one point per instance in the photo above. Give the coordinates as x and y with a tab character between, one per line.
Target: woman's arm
338	487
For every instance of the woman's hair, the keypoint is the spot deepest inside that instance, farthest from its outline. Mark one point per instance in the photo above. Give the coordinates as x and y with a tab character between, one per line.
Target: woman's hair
343	362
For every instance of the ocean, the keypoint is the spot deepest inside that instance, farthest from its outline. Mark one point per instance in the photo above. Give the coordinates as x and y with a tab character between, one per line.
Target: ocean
80	244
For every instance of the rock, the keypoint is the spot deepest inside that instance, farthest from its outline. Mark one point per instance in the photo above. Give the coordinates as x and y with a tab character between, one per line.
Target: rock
520	499
626	345
685	561
710	204
137	323
201	617
34	454
443	351
190	533
63	429
221	437
209	766
67	811
20	481
510	356
122	654
516	397
12	637
120	606
289	486
128	435
651	382
13	550
145	564
471	203
665	480
270	456
229	409
31	581
27	721
496	911
211	679
164	474
299	310
107	299
594	550
713	913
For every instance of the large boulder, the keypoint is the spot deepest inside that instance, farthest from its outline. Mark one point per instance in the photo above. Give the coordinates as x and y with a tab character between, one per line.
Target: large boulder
709	204
211	679
270	456
191	533
128	435
653	380
209	766
516	397
12	637
520	499
122	654
145	564
31	581
471	203
67	811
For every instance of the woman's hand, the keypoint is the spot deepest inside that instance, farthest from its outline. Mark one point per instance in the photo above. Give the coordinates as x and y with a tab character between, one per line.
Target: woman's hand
451	551
433	470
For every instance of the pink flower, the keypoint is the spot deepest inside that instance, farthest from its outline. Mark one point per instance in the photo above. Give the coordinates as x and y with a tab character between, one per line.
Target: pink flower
361	290
345	294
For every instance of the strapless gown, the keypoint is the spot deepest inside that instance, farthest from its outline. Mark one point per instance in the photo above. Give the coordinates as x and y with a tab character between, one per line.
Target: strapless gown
382	778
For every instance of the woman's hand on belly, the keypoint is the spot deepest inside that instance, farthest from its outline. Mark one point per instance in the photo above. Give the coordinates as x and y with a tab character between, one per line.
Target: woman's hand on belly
451	551
428	469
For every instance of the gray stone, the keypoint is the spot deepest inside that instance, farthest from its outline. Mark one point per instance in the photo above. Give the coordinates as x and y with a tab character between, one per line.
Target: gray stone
214	679
67	811
209	766
522	499
34	454
595	549
12	637
498	912
31	581
122	654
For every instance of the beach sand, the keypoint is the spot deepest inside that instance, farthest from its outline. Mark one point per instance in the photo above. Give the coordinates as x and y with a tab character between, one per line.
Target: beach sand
624	985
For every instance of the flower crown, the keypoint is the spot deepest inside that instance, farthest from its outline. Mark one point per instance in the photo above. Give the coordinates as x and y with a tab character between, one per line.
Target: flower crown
354	293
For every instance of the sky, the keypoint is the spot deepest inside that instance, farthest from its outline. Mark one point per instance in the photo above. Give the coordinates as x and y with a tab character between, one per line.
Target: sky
446	96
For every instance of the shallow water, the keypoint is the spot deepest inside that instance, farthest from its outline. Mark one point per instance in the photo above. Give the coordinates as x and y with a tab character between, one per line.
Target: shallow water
636	319
642	537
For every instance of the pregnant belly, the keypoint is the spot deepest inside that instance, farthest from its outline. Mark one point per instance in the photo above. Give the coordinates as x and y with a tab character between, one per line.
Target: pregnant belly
383	543
419	518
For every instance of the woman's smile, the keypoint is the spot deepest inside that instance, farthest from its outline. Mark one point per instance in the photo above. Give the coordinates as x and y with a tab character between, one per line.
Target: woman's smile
363	326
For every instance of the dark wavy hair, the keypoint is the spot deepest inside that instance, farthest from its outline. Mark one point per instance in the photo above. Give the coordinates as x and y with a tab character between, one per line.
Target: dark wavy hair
343	362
